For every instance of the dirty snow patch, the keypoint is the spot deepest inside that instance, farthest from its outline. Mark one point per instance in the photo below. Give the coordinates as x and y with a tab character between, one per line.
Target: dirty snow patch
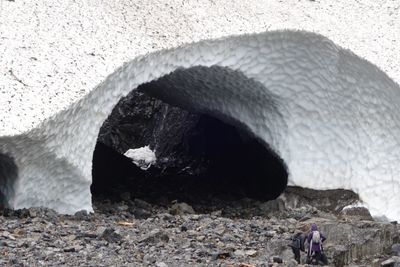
358	204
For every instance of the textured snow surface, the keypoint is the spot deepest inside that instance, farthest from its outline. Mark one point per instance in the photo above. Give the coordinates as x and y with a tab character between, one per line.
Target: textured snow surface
143	157
61	49
331	116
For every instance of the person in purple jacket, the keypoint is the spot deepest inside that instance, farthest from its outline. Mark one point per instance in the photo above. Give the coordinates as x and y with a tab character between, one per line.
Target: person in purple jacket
315	250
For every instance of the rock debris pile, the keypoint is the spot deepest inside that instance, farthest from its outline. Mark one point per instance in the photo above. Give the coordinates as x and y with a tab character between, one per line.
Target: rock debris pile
133	232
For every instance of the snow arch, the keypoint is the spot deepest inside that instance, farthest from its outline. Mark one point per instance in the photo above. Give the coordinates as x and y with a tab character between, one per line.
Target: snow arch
335	119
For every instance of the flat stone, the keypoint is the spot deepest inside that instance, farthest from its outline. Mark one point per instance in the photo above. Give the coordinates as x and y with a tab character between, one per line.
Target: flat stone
161	264
239	253
71	237
251	252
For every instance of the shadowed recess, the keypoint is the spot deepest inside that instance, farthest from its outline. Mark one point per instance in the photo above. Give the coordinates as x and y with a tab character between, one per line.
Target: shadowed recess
8	176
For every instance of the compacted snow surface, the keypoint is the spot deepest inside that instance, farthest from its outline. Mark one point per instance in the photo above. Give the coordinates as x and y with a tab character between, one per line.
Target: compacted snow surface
330	115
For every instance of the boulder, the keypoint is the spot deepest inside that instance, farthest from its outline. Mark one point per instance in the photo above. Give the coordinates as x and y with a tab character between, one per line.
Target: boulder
361	213
181	208
392	262
395	249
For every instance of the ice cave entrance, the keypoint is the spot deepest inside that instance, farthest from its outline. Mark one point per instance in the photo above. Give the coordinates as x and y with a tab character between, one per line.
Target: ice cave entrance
198	156
8	176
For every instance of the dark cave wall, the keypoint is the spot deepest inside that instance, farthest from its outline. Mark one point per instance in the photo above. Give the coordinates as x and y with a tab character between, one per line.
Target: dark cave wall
139	120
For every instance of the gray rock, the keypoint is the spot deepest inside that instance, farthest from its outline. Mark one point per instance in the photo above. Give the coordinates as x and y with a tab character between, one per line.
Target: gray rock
326	200
181	208
111	236
51	215
395	260
277	259
33	212
142	204
166	216
272	206
220	255
140	213
251	252
395	249
161	264
359	212
149	259
69	249
304	217
292	263
239	253
220	230
81	215
270	233
99	231
155	236
200	238
123	207
217	213
71	238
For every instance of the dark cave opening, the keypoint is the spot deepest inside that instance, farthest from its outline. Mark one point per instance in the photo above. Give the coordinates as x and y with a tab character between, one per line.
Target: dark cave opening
198	156
8	175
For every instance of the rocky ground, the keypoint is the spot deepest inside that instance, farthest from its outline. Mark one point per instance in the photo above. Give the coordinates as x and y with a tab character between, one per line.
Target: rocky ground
132	232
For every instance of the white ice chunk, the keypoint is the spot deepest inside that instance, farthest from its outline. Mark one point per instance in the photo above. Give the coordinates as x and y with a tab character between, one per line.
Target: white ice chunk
143	157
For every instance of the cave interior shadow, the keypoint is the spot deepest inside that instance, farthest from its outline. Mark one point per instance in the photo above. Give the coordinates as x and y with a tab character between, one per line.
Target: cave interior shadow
231	164
8	176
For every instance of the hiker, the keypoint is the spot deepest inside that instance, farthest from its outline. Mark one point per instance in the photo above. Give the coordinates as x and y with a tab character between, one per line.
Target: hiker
315	249
297	244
